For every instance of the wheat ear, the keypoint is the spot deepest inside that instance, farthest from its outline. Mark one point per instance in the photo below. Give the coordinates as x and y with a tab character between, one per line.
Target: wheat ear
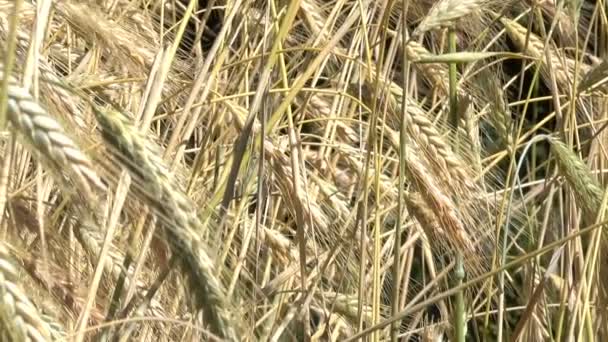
20	317
450	222
177	212
445	12
578	175
435	73
431	142
49	138
534	46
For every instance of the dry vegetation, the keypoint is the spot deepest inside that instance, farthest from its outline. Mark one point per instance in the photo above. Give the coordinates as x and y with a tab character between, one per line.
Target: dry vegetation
337	170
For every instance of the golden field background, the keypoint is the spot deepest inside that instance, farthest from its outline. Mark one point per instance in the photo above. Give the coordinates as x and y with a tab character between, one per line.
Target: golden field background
176	170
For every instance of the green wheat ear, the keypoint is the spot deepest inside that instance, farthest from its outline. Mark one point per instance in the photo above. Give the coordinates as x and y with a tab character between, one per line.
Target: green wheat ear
578	175
176	211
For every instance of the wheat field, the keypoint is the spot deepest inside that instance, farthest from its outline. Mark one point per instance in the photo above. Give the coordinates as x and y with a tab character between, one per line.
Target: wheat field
303	170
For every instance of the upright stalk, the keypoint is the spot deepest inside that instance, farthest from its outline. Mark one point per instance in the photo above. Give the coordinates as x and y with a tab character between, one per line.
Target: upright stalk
453	120
459	310
402	161
9	60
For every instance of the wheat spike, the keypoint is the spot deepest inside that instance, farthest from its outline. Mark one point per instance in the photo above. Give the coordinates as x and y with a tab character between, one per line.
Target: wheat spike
116	38
435	73
445	12
49	139
536	47
20	317
176	211
451	221
90	234
579	177
424	215
425	133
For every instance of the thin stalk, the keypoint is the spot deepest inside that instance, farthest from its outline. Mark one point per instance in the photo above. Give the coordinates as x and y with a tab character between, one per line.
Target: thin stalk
459	273
453	82
9	60
302	221
402	159
460	310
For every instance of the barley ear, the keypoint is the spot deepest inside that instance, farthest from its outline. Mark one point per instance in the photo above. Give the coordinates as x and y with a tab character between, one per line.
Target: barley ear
578	175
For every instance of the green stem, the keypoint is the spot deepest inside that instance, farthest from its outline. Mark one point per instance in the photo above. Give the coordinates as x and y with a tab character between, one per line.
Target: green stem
459	273
460	311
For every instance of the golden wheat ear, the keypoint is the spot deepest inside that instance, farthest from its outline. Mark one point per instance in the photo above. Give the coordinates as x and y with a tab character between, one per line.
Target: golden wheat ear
48	138
445	12
20	319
